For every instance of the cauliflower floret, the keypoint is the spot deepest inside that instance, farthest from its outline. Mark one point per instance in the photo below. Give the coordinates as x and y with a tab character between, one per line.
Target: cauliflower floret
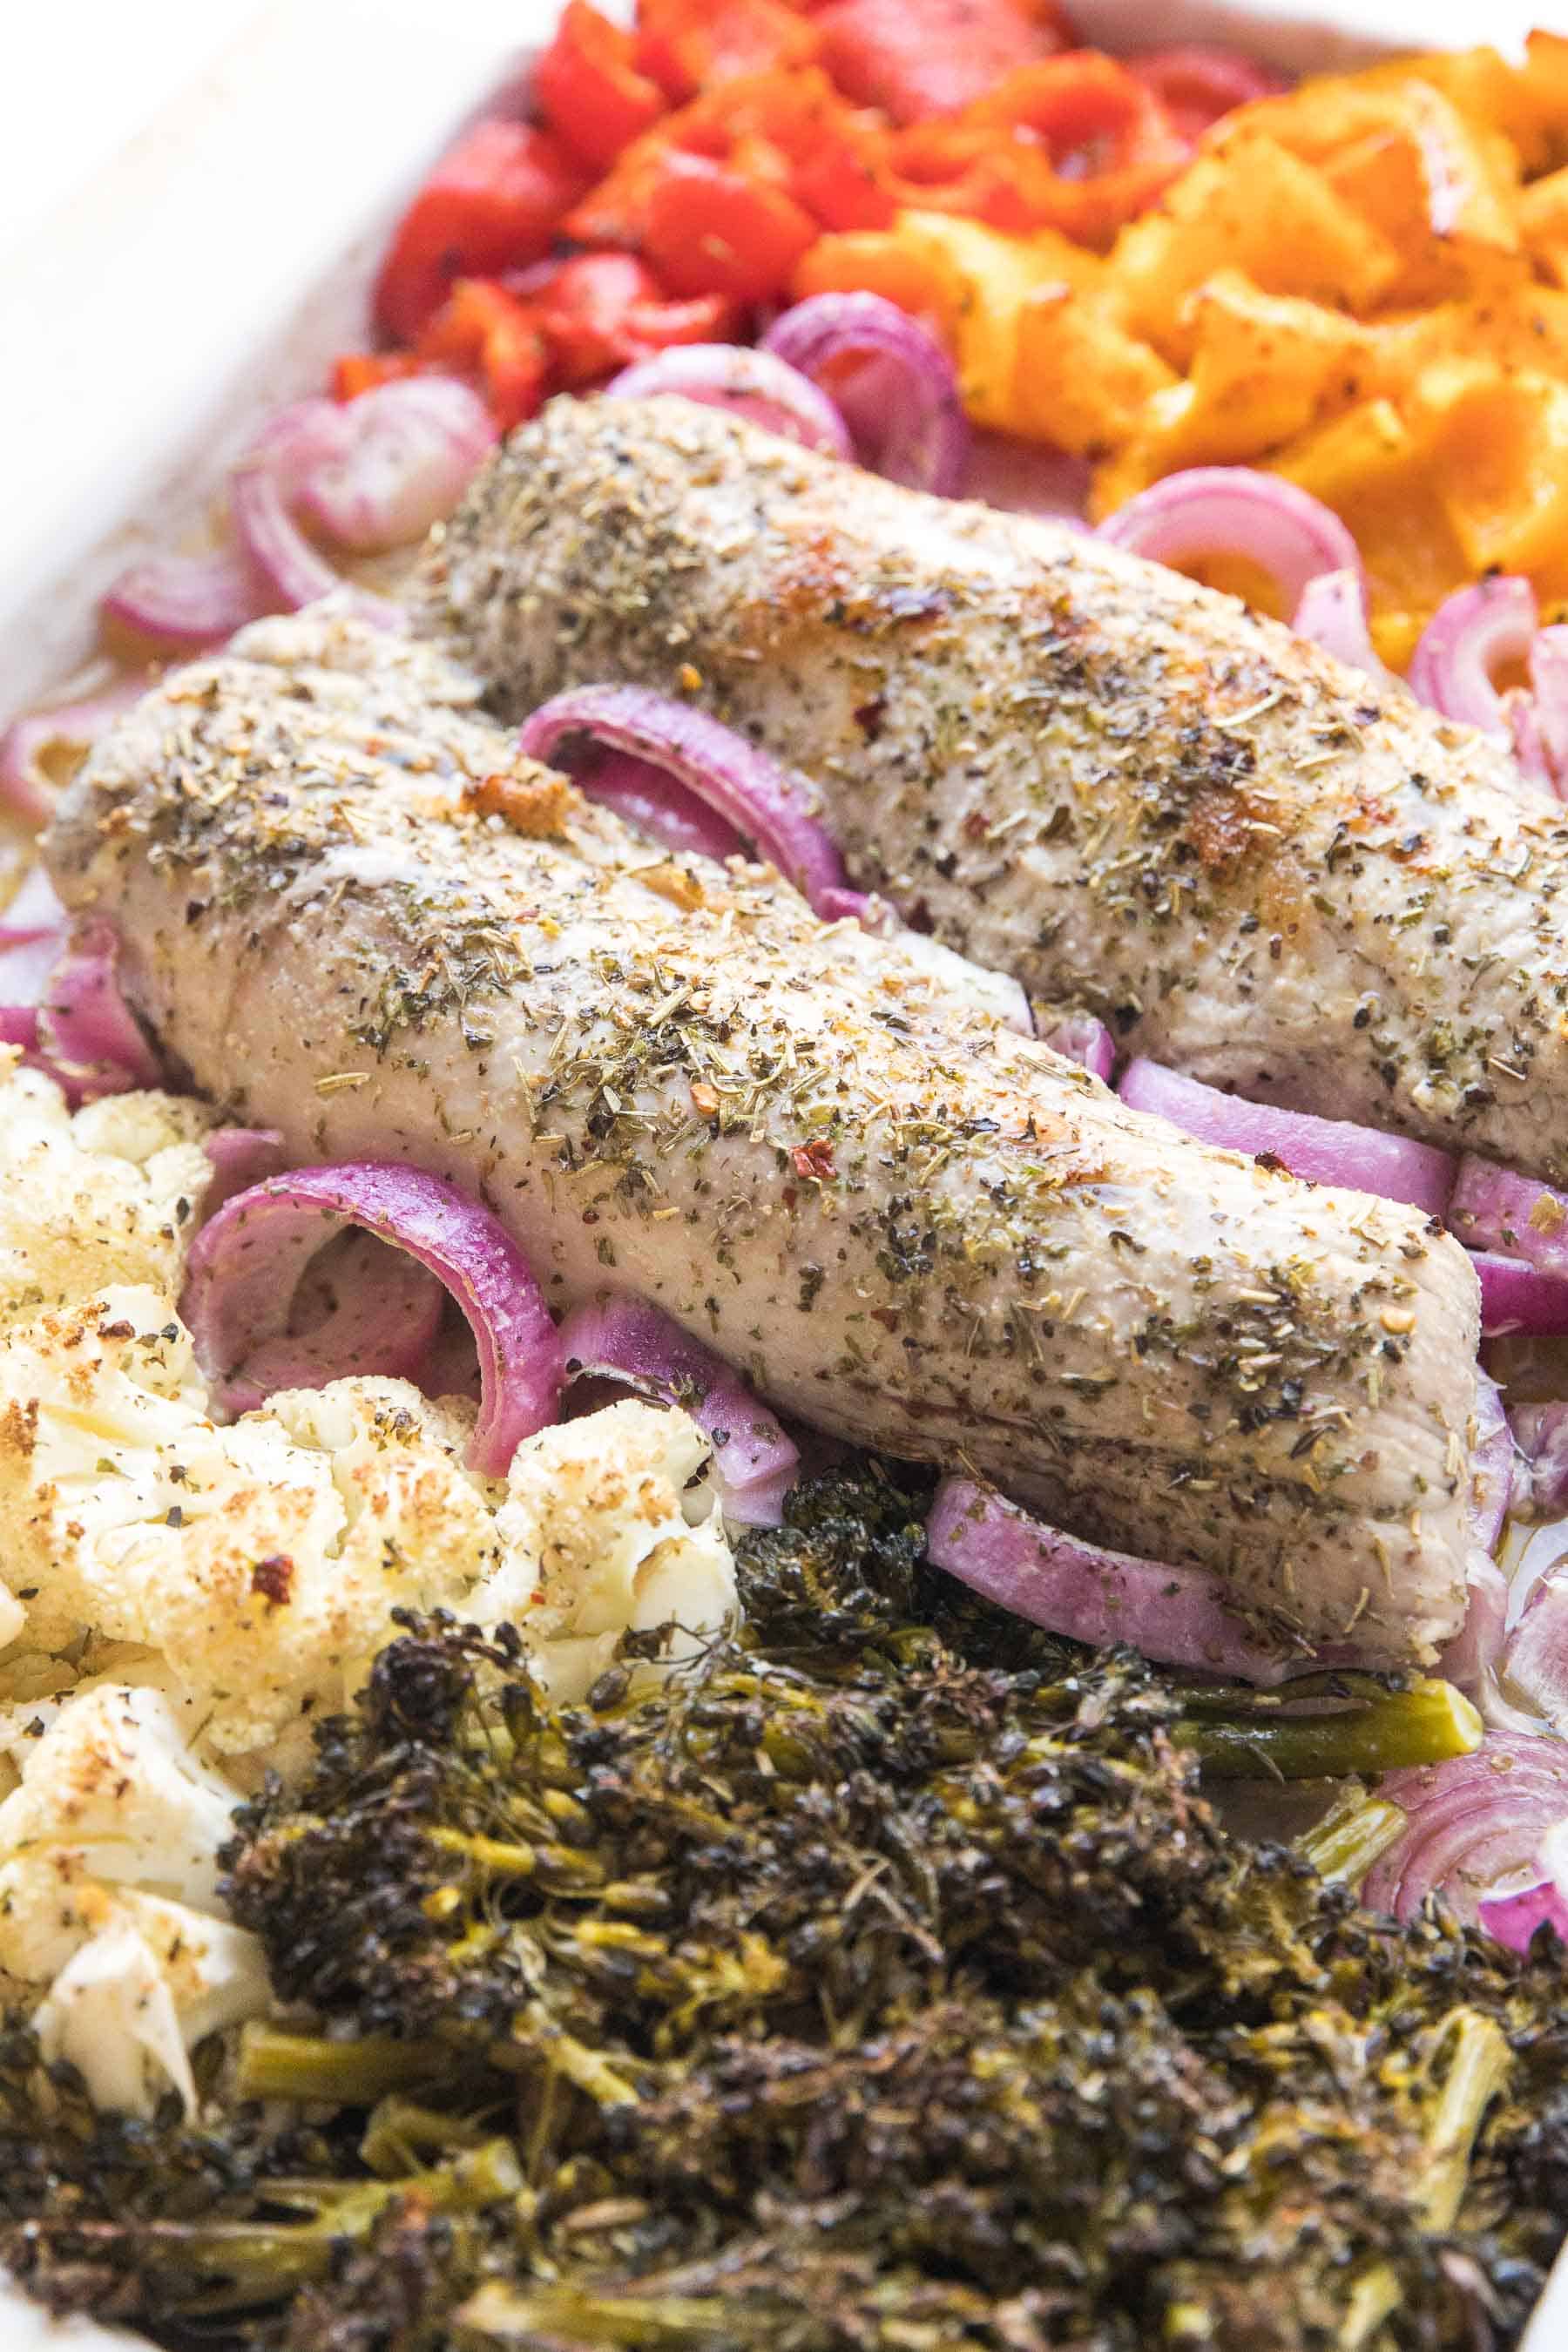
112	1777
109	1194
108	1892
607	1526
260	1560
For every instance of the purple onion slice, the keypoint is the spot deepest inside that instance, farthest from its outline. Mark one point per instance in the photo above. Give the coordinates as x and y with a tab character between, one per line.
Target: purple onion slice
247	1263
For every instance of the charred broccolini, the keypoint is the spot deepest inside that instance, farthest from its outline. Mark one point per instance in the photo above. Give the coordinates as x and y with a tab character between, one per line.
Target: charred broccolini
883	1982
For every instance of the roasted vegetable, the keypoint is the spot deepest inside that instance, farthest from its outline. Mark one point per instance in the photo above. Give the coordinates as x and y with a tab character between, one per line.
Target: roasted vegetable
882	1981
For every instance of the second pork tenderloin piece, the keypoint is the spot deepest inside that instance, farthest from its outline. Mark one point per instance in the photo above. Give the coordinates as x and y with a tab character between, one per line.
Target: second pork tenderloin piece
670	1077
1125	789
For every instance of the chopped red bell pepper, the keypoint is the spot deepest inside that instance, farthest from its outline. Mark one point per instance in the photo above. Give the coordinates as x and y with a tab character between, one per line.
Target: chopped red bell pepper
602	310
589	88
486	333
687	45
919	58
1196	86
493	203
711	230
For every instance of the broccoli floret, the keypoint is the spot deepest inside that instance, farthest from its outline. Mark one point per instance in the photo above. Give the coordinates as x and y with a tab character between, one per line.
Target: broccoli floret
882	1978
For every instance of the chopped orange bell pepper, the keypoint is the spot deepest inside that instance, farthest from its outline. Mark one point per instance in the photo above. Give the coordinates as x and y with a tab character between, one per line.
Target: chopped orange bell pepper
357	372
493	203
486	333
589	88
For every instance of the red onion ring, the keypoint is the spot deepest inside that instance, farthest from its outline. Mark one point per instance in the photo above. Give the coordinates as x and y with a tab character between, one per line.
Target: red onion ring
1177	1615
892	381
766	802
1513	1920
1233	511
240	1156
270	480
1548	664
1535	1655
629	1340
1471	1822
367	1317
182	604
246	1262
755	384
1495	1209
1541	1475
650	801
1492	1465
88	1037
1477	1647
1467	639
1517	1297
1081	1038
1323	1150
25	787
1332	613
414	447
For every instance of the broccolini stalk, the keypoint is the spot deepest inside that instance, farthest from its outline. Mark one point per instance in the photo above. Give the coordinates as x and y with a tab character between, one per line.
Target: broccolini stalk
272	2064
1345	1843
890	1982
1419	1726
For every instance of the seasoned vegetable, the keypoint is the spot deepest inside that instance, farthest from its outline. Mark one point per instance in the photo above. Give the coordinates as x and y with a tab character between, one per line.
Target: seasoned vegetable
883	1980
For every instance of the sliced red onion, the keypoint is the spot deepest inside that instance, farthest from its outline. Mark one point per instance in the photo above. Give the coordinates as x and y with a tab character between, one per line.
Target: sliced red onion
741	783
1332	613
755	384
1492	1465
1471	1824
240	1156
1324	1150
26	789
1513	1920
1517	1297
1541	1479
88	1036
892	381
1535	1655
1232	510
247	1263
415	447
1494	1208
1177	1615
1468	639
651	802
1548	664
270	479
358	1308
182	604
1081	1038
1474	1652
1027	478
625	1339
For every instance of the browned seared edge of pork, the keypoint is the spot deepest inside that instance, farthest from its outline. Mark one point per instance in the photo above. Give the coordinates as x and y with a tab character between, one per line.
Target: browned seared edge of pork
1251	861
668	1075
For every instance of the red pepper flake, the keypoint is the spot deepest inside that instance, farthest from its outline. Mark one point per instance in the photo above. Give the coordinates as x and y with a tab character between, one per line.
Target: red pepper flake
273	1579
705	1099
813	1158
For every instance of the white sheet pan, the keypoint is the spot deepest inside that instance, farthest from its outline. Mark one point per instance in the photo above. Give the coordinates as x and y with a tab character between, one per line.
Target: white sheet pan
212	269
